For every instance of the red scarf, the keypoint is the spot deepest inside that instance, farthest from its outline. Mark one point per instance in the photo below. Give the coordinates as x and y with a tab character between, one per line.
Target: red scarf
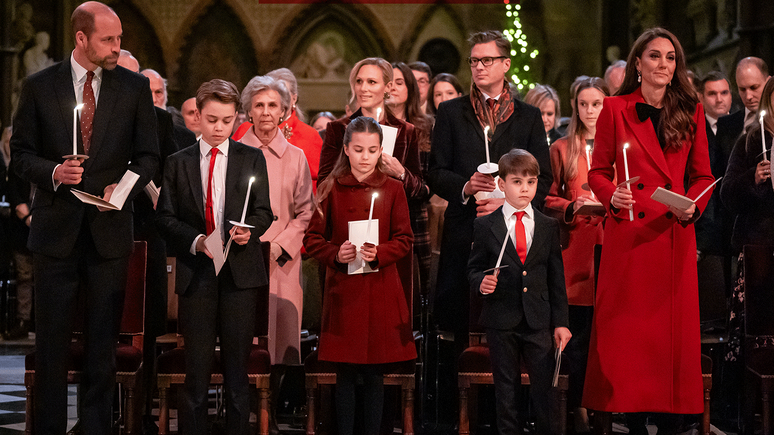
500	112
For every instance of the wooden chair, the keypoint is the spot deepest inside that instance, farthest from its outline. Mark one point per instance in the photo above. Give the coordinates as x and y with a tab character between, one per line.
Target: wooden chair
401	374
128	351
171	364
475	368
759	324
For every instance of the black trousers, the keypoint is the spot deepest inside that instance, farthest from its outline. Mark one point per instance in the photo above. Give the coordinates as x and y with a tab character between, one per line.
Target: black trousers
507	348
205	313
58	282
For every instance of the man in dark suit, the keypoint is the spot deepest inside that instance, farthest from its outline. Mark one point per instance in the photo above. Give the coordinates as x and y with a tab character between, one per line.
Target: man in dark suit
524	310
74	243
194	204
751	75
458	149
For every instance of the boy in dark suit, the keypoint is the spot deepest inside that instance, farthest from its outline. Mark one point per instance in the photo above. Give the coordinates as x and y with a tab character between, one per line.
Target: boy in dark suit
525	301
204	187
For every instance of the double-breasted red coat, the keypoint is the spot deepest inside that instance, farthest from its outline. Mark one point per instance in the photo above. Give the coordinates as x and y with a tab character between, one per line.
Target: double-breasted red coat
579	233
645	341
366	318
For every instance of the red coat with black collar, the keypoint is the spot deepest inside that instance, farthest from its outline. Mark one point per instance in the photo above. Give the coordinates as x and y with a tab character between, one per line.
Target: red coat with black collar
645	344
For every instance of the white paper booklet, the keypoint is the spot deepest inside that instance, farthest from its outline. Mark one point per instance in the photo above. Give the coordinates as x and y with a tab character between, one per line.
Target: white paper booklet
389	136
358	236
680	202
215	245
117	199
497	193
152	191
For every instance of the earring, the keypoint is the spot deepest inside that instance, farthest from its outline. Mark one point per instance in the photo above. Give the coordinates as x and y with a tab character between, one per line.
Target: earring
386	95
639	77
251	120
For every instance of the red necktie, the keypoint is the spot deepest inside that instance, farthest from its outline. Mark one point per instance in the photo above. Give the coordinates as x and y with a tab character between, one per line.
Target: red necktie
521	237
87	113
491	103
208	213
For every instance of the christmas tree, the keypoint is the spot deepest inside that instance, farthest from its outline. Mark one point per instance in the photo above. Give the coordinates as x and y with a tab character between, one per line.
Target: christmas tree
521	53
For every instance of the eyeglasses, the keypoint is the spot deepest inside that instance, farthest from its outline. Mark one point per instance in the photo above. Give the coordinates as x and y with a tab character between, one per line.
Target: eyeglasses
486	61
423	81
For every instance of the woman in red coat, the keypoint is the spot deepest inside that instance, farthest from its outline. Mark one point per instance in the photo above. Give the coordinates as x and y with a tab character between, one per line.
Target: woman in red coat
581	229
645	347
366	320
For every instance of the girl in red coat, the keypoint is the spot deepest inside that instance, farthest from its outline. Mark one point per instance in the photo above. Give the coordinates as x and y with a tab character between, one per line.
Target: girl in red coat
580	229
644	354
366	320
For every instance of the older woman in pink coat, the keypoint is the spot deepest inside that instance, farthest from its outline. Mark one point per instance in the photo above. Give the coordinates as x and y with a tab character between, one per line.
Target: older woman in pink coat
290	189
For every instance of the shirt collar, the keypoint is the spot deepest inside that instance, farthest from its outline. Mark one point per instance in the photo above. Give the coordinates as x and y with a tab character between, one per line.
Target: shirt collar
79	72
486	97
204	148
710	119
509	210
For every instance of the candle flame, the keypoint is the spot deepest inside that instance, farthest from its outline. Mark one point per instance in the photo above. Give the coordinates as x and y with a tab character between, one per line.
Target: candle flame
763	113
588	147
374	195
252	179
486	129
79	107
626	145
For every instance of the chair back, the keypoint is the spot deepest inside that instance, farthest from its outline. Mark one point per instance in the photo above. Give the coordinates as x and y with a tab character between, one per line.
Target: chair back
758	290
133	315
262	304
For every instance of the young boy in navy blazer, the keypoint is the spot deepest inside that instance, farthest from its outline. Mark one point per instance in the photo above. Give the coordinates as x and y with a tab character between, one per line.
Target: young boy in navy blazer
204	187
524	310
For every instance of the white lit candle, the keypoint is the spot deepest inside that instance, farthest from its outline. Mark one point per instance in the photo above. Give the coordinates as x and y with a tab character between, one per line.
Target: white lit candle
370	216
763	134
505	242
626	174
588	162
486	145
75	128
247	198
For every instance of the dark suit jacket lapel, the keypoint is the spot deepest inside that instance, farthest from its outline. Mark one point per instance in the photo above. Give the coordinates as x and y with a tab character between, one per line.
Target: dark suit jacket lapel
497	225
506	125
646	136
194	175
470	116
108	91
235	179
538	238
65	97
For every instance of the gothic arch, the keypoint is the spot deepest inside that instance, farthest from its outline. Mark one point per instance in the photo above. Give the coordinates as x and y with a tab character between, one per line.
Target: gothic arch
140	36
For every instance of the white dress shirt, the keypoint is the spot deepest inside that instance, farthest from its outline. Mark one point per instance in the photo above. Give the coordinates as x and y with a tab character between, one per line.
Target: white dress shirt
218	184
79	80
528	220
713	122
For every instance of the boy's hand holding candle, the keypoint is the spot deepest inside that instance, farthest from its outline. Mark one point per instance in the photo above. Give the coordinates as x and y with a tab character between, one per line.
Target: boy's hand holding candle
489	283
240	235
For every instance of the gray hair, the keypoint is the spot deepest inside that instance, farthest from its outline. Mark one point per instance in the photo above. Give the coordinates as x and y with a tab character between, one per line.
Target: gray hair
286	76
262	83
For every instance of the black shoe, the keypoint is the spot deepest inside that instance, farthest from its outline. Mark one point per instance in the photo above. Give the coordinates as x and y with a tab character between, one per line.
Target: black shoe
20	331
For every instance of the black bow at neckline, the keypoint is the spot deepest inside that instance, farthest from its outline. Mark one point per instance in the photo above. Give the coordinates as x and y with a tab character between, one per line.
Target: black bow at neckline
645	111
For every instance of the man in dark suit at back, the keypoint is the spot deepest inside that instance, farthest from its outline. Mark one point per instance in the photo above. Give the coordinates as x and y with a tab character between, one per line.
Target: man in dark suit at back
458	149
77	247
751	75
713	230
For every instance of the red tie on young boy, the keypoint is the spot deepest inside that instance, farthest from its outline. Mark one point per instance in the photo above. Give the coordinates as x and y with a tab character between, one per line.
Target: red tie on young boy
521	237
209	216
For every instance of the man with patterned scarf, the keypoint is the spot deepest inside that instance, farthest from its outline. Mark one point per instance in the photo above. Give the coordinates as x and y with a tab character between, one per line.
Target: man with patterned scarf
458	149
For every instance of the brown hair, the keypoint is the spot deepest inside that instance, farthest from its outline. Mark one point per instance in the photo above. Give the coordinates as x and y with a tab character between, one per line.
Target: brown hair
442	77
82	19
517	162
361	124
414	114
712	76
217	90
503	44
680	100
576	130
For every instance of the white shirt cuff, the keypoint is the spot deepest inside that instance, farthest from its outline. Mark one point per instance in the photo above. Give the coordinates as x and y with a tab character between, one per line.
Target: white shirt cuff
193	245
53	181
